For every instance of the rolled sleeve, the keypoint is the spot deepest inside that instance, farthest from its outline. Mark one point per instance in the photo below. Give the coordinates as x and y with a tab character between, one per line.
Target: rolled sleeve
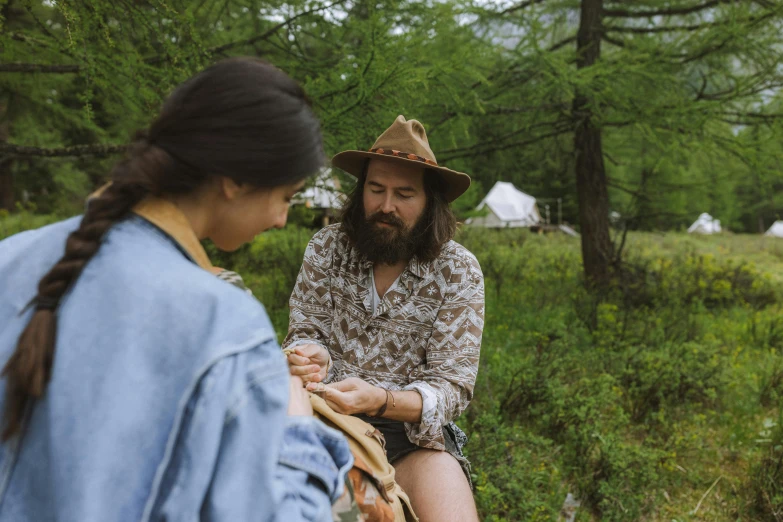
447	381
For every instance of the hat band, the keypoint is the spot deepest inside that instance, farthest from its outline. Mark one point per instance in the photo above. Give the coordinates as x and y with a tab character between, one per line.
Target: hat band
404	155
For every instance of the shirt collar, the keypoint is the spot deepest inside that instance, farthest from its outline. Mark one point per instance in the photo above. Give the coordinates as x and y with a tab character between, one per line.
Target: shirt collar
419	268
415	266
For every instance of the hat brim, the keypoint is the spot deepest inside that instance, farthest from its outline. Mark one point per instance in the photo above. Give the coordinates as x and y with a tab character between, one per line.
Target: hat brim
352	162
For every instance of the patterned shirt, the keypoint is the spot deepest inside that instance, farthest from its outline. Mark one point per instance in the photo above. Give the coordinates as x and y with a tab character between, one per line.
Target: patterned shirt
425	335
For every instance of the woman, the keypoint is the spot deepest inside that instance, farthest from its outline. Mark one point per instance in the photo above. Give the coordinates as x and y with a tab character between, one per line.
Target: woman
137	385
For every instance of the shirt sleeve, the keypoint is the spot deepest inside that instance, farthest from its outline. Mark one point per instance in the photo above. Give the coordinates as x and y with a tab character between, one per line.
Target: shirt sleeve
235	279
241	457
446	383
311	305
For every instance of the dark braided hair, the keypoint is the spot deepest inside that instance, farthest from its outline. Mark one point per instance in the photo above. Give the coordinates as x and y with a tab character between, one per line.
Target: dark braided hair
240	118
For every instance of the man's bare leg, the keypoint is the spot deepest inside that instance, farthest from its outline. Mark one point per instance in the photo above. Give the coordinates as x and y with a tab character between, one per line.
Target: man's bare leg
437	487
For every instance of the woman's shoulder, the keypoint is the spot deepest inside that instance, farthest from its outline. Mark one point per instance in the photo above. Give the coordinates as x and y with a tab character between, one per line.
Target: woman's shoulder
157	280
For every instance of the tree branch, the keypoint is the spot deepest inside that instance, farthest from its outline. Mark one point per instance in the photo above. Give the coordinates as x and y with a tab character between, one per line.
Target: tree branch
496	139
562	43
693	27
38	68
8	149
520	6
267	34
655	30
616	185
704	52
614	41
670	11
471	152
773	116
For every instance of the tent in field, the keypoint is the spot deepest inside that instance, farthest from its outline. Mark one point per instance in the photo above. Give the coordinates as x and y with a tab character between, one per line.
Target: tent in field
706	224
508	207
776	230
325	193
324	196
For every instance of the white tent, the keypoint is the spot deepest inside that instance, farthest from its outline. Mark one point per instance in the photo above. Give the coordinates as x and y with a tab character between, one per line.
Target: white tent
507	207
325	193
776	230
706	224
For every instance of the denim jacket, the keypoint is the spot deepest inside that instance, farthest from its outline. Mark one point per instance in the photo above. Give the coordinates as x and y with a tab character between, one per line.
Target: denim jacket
168	393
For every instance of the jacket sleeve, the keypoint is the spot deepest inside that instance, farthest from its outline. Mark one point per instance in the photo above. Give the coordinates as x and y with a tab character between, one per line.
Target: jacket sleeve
241	457
446	383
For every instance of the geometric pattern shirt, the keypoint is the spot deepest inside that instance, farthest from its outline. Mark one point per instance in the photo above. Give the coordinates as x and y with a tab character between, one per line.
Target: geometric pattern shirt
424	336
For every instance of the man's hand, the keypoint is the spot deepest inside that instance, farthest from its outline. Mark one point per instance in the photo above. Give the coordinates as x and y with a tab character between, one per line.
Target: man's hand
351	396
299	400
309	362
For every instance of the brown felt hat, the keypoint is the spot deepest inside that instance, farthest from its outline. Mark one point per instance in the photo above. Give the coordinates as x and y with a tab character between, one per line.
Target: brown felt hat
405	141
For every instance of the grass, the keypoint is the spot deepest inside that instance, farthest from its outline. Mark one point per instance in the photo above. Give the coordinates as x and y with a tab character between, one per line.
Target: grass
647	402
658	400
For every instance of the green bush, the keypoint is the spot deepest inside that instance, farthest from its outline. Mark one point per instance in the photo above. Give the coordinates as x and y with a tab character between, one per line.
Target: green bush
269	266
22	220
635	399
693	278
516	474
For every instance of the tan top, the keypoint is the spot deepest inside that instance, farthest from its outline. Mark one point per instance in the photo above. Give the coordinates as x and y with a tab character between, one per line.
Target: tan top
424	336
170	219
166	216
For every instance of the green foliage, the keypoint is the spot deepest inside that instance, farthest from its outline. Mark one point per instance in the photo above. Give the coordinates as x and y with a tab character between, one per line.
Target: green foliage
499	451
633	403
609	396
766	481
618	393
690	119
23	219
269	265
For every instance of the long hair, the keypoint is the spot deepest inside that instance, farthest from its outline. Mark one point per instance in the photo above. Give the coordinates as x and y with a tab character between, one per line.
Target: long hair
241	118
435	228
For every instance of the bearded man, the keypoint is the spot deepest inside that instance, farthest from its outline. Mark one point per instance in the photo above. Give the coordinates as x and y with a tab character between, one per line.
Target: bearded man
387	316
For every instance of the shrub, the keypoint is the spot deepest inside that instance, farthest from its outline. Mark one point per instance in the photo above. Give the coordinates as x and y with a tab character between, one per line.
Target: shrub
25	219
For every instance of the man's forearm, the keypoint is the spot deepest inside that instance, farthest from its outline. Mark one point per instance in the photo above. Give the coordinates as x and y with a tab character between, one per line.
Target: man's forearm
402	406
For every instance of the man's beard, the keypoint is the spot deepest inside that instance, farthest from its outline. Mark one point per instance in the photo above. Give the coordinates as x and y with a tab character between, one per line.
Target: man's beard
392	244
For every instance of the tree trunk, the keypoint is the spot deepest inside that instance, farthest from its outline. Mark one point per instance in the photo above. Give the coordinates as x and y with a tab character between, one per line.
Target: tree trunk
591	186
6	179
6	185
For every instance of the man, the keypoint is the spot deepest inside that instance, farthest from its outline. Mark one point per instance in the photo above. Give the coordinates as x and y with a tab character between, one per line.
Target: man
389	311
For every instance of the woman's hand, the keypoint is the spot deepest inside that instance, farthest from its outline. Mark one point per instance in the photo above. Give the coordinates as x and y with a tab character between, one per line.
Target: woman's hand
299	399
309	361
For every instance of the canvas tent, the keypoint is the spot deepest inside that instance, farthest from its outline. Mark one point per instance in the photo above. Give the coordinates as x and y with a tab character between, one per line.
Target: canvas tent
323	194
507	207
706	224
776	230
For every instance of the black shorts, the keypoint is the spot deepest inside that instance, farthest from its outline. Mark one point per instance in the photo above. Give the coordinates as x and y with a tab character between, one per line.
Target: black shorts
398	445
